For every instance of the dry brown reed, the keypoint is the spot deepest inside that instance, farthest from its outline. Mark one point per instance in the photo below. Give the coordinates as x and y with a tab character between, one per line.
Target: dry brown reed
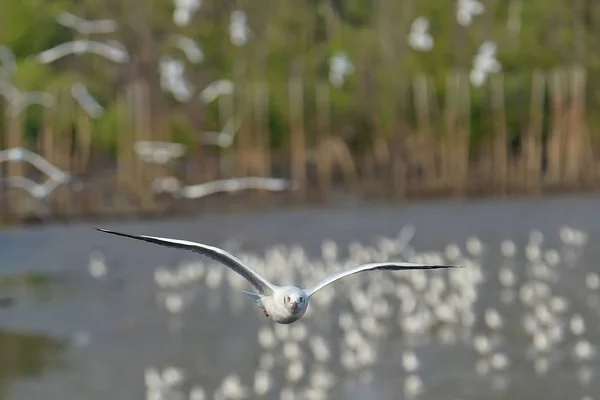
433	155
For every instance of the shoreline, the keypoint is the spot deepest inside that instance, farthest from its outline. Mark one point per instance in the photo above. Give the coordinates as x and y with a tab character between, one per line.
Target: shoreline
253	203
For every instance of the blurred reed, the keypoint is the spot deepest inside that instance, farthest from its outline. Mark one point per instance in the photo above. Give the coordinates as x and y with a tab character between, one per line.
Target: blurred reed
429	146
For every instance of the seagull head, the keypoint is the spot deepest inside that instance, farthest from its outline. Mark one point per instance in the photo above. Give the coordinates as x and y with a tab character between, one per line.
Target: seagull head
295	301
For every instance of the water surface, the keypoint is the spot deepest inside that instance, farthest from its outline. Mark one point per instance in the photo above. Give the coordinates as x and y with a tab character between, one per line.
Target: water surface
67	335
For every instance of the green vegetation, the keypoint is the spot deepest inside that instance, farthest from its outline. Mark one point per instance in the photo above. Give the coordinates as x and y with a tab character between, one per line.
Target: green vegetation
297	39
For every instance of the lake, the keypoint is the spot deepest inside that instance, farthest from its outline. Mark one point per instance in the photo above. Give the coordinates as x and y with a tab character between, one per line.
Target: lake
84	315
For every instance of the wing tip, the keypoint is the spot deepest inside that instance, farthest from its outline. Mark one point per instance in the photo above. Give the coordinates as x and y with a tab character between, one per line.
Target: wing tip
445	266
111	232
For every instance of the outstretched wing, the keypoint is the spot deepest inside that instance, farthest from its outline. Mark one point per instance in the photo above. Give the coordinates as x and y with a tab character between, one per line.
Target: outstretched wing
391	266
223	257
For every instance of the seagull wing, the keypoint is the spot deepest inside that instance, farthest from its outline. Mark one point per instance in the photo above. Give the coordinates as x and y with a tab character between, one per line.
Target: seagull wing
56	52
390	266
223	257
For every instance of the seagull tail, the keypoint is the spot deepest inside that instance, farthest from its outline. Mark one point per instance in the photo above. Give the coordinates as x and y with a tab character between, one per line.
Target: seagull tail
256	298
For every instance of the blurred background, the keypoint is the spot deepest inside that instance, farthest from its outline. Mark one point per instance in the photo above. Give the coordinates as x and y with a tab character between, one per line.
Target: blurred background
304	137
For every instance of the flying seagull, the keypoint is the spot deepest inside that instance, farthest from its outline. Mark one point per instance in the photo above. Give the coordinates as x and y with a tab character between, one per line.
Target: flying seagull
284	304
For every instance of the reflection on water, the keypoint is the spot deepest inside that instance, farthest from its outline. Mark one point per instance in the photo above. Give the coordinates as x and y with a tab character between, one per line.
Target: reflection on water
23	356
142	321
26	287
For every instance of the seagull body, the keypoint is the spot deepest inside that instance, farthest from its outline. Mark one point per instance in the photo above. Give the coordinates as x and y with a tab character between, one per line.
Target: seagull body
284	304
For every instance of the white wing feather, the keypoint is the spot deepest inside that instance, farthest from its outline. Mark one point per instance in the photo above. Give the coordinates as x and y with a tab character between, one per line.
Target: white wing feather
217	254
390	266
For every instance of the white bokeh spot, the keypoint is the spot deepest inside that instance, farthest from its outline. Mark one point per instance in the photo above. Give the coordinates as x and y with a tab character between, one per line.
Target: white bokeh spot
340	66
419	38
484	63
466	10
